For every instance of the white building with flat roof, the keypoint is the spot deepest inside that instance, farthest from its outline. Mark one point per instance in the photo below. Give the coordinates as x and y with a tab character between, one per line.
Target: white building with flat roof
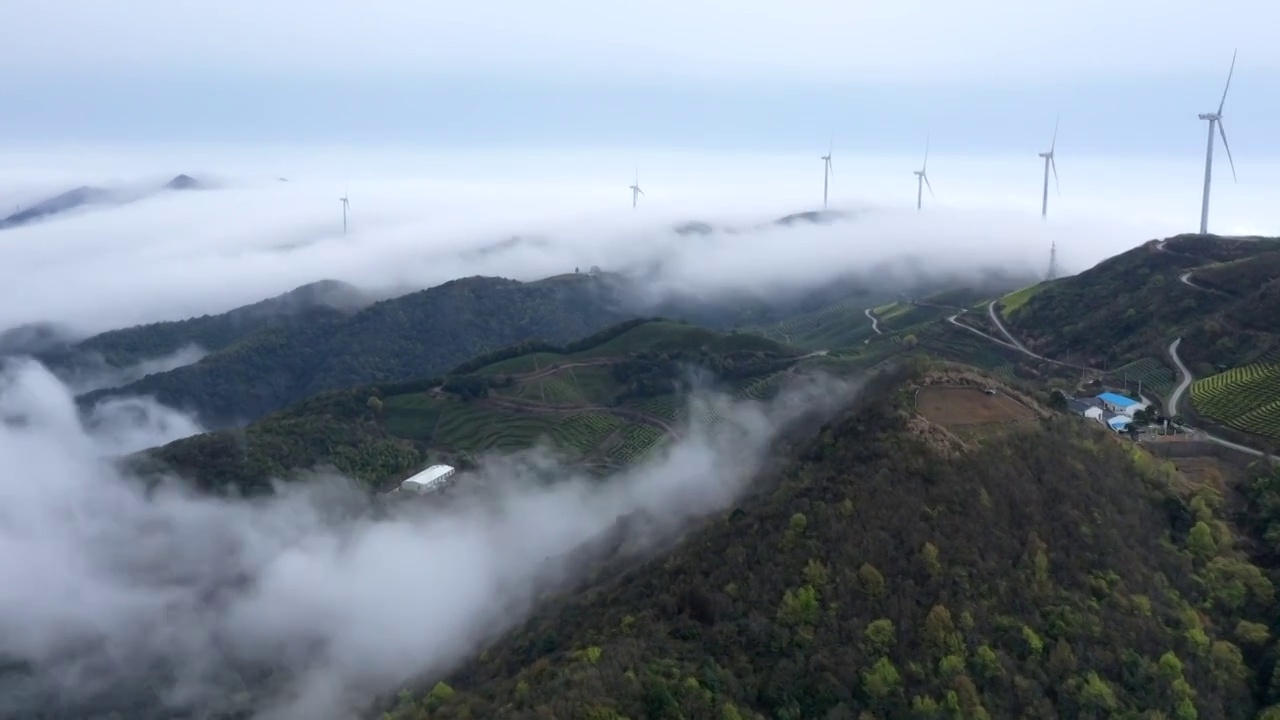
429	480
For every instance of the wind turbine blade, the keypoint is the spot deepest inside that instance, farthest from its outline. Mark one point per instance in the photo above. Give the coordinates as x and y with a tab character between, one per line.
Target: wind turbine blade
926	153
1228	87
1054	144
1222	130
831	143
928	185
1054	164
831	167
639	190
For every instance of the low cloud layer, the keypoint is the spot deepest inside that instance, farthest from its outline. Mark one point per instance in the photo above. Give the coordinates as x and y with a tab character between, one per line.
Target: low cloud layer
91	372
419	220
113	593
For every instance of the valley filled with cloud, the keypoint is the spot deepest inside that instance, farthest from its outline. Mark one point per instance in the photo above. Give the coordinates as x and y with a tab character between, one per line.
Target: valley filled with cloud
125	594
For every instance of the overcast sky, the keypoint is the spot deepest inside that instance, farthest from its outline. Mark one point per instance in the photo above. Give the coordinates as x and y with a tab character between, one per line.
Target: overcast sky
980	76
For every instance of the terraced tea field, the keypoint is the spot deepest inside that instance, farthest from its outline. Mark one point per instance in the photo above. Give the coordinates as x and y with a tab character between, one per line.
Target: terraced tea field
1245	398
475	428
1155	377
761	388
663	406
585	432
838	325
906	318
636	441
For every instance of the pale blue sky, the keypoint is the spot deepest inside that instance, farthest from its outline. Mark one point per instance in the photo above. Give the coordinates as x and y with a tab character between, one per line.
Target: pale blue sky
981	76
1152	116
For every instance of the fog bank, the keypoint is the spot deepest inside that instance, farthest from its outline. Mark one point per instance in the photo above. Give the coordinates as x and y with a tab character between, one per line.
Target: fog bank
114	594
417	220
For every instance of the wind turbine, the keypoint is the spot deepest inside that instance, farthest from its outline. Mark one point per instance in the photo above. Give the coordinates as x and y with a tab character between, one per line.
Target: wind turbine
1049	162
636	192
345	202
1215	119
827	171
922	177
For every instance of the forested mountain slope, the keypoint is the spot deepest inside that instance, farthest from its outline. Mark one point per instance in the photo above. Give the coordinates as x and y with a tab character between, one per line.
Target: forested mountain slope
909	566
417	335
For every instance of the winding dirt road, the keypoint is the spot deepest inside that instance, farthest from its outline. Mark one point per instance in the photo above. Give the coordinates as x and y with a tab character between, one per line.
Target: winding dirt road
1185	279
556	367
875	324
976	331
995	318
1185	380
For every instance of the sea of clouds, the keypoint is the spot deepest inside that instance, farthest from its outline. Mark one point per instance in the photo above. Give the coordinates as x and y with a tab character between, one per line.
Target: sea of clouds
420	219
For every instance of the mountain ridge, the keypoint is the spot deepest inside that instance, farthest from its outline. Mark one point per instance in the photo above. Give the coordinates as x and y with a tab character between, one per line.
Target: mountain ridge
601	401
87	195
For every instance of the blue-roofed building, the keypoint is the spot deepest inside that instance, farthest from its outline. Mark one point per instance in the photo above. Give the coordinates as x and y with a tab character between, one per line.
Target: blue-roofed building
1117	403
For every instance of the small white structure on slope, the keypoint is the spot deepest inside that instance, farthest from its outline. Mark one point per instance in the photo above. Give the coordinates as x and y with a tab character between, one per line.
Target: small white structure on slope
430	480
1085	409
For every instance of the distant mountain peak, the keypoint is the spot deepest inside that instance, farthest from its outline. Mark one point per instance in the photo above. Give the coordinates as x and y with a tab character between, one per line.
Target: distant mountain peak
69	200
184	182
817	217
694	227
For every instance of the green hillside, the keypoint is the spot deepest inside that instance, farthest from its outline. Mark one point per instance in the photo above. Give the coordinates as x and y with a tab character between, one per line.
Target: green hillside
603	401
417	335
1132	305
901	566
1220	295
1248	328
1239	277
1013	301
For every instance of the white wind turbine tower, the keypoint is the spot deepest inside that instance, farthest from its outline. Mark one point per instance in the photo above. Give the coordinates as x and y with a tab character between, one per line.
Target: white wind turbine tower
1050	163
345	203
922	177
636	192
827	171
1215	119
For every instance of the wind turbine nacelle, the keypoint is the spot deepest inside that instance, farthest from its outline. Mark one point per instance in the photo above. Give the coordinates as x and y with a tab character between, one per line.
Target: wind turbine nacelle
1210	116
1046	155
